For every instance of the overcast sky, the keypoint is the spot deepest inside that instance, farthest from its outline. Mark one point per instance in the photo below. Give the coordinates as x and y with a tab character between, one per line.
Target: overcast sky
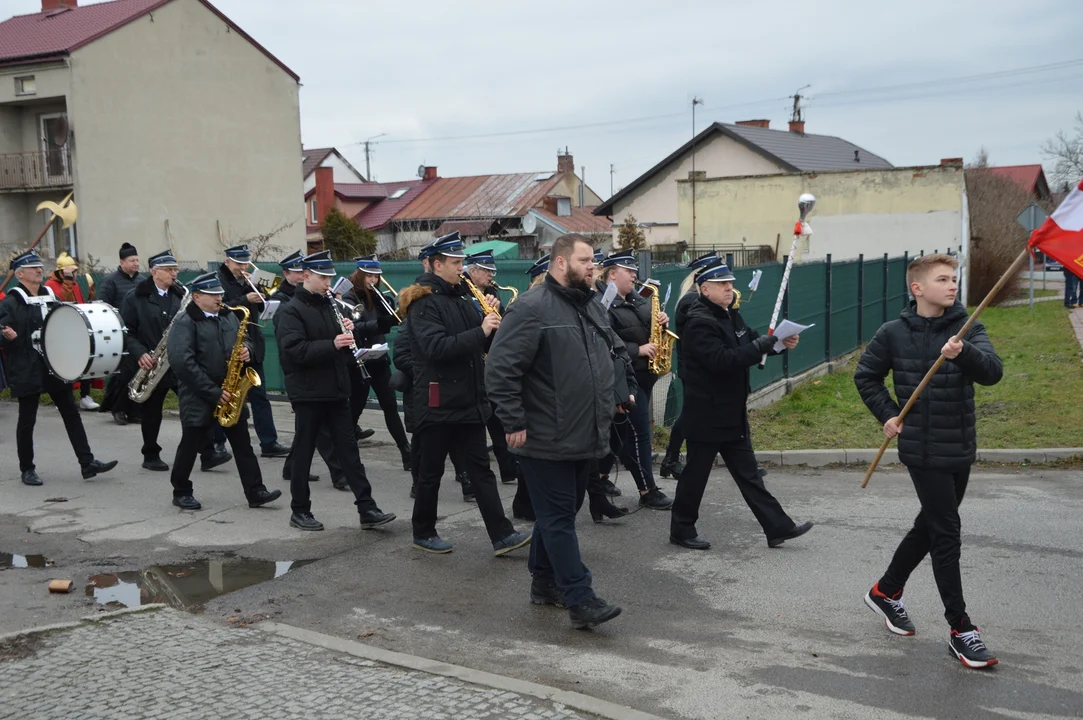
433	69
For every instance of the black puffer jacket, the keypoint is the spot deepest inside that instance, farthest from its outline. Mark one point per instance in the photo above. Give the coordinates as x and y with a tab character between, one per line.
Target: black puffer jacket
631	320
316	371
448	348
370	327
403	357
199	350
939	432
680	316
235	295
24	367
116	285
146	315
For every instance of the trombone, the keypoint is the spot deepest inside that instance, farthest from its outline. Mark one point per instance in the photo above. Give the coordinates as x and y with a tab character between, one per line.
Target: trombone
383	300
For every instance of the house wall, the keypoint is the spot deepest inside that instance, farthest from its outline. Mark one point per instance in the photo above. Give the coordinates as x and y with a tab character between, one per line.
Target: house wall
343	172
178	117
51	81
869	211
569	185
656	200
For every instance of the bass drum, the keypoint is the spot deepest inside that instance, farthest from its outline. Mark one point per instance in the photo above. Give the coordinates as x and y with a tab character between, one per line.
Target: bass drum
83	340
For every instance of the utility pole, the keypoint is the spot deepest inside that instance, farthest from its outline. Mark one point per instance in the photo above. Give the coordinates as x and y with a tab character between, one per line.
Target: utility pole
368	151
695	101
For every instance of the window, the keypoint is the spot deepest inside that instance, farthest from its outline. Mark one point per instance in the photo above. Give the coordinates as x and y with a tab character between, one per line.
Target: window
398	193
564	207
25	85
313	211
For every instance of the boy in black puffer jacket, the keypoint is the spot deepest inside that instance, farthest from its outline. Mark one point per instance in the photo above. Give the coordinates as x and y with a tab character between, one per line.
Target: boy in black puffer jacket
936	442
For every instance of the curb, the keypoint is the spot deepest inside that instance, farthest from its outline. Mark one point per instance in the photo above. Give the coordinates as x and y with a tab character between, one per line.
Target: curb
574	700
85	620
856	456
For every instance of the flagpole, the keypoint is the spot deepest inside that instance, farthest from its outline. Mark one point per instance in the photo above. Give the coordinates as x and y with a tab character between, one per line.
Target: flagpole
1011	272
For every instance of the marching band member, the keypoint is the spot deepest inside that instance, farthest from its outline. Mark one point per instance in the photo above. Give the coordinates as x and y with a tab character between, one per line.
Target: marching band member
537	271
200	346
65	287
239	291
448	339
147	312
114	288
719	350
28	377
314	349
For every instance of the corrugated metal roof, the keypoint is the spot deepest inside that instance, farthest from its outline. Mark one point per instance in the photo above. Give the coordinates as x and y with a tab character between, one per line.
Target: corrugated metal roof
466	228
480	196
378	214
582	220
311	159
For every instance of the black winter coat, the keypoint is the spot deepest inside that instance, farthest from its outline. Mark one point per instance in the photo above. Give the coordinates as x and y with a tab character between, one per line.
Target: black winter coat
719	351
631	320
680	316
24	367
146	315
403	357
448	349
371	327
235	295
199	349
550	372
939	432
316	371
115	286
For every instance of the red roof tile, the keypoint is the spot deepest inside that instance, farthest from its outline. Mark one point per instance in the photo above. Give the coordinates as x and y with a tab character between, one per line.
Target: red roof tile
365	191
1027	177
55	34
582	220
379	213
311	159
481	196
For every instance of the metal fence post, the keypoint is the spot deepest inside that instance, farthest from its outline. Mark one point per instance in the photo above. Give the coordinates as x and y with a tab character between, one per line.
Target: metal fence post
885	286
729	261
827	305
860	297
786	314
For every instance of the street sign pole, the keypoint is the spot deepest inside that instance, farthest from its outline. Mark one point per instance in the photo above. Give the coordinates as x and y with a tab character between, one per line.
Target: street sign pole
1032	281
1031	219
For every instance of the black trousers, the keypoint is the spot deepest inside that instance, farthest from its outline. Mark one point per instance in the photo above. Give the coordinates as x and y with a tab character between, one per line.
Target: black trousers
151	412
468	439
195	439
380	380
325	446
557	488
740	459
263	421
676	437
309	418
936	533
359	392
116	391
64	400
504	459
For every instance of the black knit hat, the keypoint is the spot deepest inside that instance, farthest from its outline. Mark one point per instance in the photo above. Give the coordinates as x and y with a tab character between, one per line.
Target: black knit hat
127	250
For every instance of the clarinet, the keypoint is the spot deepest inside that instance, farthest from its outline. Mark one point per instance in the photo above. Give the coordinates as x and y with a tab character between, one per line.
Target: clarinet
342	324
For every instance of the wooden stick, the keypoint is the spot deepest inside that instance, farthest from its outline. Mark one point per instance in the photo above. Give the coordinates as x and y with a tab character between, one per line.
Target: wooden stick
1008	274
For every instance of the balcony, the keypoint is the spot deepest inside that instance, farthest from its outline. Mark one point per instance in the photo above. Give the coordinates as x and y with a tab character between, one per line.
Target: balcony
26	171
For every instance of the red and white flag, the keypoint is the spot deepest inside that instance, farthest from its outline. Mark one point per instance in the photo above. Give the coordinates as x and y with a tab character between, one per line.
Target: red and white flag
1061	235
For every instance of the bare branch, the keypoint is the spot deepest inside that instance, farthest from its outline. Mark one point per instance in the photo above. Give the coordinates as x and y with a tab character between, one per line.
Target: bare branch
1066	154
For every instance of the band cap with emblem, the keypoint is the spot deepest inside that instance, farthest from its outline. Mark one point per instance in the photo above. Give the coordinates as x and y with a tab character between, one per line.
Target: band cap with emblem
704	261
208	284
369	264
450	245
28	259
718	272
623	258
239	253
599	256
164	259
293	261
483	260
540	265
320	263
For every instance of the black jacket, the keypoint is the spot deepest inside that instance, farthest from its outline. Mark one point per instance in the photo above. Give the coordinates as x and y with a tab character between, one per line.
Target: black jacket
24	367
448	349
680	316
146	315
235	295
631	320
550	372
315	370
370	327
116	285
199	349
939	431
719	351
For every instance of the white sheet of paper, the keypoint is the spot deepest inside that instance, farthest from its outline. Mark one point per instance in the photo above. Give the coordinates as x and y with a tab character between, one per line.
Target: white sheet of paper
754	283
254	276
270	307
609	296
372	353
788	329
342	286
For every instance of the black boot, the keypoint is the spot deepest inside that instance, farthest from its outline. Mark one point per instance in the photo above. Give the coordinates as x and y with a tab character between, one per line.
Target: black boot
671	465
593	612
601	507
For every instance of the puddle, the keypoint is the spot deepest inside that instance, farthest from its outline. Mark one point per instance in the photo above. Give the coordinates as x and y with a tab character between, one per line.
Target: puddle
187	586
8	561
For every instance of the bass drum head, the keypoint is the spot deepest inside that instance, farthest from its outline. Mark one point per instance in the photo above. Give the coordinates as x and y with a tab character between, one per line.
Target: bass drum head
66	342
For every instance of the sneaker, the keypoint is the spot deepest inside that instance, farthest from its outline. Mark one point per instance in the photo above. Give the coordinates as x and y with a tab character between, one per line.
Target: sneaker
88	403
512	542
655	499
435	545
305	521
891	609
546	593
591	613
671	465
969	648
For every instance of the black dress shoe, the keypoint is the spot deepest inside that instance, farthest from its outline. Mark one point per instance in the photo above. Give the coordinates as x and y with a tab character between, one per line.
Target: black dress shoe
96	467
696	543
262	497
120	418
288	477
210	462
797	531
31	478
340	484
762	472
375	518
602	508
220	448
593	612
363	434
305	521
274	451
187	502
155	463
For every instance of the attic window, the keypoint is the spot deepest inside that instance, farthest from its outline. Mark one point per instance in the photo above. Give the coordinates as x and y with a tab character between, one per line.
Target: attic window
564	207
398	193
543	176
25	85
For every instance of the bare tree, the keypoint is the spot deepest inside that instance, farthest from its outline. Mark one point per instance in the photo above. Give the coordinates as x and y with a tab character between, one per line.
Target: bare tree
1066	154
260	245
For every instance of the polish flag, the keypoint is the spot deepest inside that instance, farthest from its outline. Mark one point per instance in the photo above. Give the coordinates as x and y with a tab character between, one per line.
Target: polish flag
1061	235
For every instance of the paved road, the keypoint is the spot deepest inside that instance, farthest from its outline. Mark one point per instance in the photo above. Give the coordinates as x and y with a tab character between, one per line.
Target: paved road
740	630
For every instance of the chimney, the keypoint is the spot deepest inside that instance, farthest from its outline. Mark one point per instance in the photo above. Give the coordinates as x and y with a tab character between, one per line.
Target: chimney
697	175
565	162
430	173
325	192
765	124
951	162
50	5
797	126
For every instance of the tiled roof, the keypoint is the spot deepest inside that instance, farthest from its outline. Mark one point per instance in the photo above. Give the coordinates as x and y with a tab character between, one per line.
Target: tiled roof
366	191
1029	177
379	213
311	159
582	220
490	196
42	35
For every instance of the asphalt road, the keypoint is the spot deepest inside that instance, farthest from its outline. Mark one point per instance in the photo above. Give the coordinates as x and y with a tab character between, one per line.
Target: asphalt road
740	630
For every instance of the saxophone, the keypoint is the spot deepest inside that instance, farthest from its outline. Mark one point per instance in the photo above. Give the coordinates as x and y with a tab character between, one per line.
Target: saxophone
145	381
486	306
237	383
663	338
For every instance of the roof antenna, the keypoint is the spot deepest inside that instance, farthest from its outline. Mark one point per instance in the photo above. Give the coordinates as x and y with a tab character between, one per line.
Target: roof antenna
798	106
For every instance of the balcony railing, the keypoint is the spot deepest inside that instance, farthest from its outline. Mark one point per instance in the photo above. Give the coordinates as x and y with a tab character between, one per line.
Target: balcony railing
38	169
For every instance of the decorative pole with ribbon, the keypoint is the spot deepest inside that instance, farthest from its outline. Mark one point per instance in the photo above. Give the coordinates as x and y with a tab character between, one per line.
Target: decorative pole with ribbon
805	203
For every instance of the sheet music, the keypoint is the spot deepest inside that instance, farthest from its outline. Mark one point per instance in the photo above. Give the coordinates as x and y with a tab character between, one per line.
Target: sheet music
609	296
270	307
342	286
754	283
787	329
372	353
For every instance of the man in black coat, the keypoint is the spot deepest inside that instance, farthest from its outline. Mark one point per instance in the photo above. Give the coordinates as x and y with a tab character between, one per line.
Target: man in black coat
28	377
200	347
315	353
113	288
719	350
239	291
449	338
937	442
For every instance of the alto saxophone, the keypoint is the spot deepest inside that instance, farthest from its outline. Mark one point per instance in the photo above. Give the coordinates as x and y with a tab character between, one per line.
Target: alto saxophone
662	362
509	288
237	383
145	381
486	306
